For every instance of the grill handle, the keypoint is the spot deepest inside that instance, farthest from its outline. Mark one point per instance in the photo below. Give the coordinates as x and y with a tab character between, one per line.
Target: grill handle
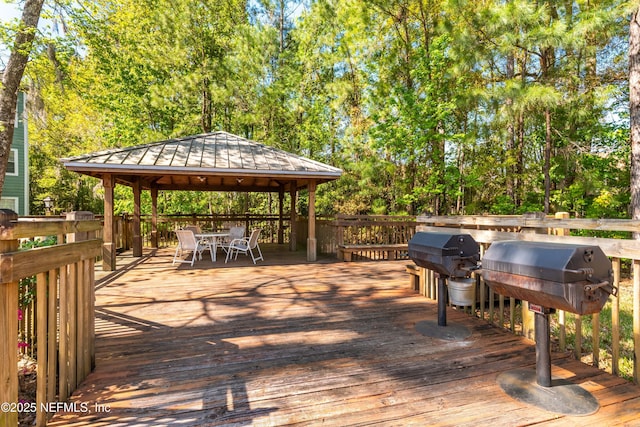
586	271
590	289
605	286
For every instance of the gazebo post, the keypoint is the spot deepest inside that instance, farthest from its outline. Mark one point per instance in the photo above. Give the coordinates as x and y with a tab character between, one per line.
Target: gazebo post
292	234
311	238
109	243
154	217
281	215
137	236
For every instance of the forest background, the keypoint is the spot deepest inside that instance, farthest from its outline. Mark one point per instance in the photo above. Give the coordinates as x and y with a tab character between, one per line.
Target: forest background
437	106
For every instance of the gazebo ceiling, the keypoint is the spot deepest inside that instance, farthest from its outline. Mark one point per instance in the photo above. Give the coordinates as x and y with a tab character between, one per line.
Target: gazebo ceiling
217	161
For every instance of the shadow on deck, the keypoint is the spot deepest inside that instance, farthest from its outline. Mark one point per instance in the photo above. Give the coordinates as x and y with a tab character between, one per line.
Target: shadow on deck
289	342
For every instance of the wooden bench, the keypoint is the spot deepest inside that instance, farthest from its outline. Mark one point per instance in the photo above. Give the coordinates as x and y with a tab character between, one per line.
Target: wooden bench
415	274
345	252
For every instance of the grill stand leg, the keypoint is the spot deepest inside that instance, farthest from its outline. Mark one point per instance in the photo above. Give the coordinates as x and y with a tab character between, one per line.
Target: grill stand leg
543	350
440	329
442	301
537	389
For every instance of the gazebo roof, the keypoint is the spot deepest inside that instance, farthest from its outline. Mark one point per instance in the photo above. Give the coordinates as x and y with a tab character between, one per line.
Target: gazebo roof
217	161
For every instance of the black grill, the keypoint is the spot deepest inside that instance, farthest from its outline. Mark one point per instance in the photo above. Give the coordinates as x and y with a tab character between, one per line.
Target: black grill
451	255
574	278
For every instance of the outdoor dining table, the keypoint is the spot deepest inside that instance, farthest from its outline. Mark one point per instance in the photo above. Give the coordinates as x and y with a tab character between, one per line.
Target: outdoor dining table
212	238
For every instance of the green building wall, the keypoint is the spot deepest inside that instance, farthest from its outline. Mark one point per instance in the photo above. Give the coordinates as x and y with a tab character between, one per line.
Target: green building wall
15	193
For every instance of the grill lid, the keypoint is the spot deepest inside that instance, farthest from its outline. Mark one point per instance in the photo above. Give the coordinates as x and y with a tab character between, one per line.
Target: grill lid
448	254
557	262
575	278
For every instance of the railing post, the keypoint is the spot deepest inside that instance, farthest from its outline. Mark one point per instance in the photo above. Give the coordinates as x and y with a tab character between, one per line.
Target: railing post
561	314
281	216
615	319
135	223
79	216
154	217
312	243
636	321
528	319
8	331
85	323
109	246
293	228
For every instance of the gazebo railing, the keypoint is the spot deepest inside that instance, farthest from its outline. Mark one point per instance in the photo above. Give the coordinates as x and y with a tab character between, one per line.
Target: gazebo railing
167	224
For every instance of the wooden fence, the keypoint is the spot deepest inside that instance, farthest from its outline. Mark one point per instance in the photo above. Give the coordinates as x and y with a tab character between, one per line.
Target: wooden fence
167	224
366	231
331	232
59	331
488	229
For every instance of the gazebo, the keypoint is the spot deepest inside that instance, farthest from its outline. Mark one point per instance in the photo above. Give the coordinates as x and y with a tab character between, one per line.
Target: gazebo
217	161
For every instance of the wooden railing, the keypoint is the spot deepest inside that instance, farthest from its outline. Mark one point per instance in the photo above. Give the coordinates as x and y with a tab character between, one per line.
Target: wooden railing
61	326
331	232
622	251
167	224
364	230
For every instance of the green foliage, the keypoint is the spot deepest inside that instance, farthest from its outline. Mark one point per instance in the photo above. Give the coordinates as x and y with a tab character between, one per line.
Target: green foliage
27	286
503	205
605	332
439	107
600	186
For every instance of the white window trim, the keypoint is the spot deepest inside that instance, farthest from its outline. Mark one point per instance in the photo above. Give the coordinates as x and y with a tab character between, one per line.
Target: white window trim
16	202
16	162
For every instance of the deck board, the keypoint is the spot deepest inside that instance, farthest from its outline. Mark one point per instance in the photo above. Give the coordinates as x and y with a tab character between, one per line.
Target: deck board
286	342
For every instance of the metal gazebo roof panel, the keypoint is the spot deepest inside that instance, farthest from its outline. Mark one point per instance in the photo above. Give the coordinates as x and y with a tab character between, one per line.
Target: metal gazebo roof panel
230	158
194	154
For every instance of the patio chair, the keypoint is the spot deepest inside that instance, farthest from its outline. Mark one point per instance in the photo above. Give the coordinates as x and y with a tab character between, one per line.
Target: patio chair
246	245
187	242
204	242
235	232
195	228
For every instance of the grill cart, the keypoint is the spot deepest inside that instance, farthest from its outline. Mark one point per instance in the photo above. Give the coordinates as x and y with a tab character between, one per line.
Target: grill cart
450	256
574	278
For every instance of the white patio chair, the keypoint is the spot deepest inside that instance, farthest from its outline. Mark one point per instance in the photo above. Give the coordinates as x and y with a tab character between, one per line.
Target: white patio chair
246	245
187	242
206	243
235	232
195	228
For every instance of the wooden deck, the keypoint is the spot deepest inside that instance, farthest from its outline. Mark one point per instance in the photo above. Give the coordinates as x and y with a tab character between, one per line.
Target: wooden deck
292	343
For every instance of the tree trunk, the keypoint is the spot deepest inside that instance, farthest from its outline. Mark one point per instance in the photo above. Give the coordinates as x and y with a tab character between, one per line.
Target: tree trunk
519	180
13	75
546	61
511	174
207	116
634	109
547	160
281	22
